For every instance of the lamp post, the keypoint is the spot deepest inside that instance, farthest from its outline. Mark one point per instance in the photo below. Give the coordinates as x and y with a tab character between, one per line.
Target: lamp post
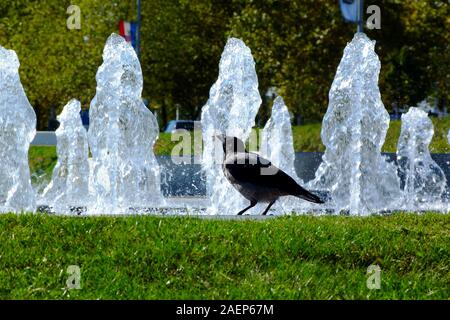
138	30
360	7
352	11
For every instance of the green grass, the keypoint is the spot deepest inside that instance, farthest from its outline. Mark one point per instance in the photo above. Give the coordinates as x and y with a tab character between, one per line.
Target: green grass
145	257
439	143
41	161
307	137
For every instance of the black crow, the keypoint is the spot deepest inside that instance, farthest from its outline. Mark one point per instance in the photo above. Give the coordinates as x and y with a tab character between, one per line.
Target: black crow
256	178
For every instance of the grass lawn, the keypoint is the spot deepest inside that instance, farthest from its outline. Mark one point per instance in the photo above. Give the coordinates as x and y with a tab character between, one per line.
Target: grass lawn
148	257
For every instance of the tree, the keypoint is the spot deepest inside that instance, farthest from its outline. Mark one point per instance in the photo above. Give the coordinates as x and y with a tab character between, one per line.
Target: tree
297	45
182	41
413	48
58	64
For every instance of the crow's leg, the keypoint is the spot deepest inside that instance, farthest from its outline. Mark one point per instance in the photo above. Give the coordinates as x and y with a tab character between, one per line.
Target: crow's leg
252	204
268	207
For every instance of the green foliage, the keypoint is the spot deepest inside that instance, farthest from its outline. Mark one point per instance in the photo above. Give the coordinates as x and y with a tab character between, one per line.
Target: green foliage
58	64
413	48
297	45
146	257
182	42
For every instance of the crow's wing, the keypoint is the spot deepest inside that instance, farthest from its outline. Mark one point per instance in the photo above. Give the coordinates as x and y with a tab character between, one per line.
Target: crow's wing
254	169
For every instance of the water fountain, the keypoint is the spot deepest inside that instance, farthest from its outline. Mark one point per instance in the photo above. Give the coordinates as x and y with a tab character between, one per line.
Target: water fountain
277	145
17	129
124	176
233	103
69	187
122	132
425	106
359	178
424	180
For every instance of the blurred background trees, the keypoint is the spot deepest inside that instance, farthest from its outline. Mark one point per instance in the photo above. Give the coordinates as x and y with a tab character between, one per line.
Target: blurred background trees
297	45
